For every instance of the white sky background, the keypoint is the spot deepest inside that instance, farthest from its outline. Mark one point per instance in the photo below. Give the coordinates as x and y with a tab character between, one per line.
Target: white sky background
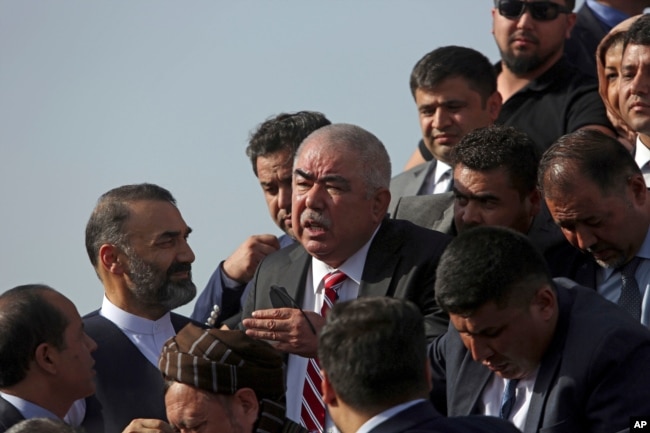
97	94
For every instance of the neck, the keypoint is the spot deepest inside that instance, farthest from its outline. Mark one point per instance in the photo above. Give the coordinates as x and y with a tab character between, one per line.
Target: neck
41	394
509	83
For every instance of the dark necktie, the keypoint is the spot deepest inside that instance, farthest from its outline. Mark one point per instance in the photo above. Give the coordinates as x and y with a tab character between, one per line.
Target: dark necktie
508	398
312	414
630	299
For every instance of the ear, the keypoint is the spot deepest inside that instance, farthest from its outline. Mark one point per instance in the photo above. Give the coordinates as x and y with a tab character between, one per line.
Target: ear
571	21
109	259
247	401
638	189
545	302
494	103
381	200
535	200
494	15
45	357
329	396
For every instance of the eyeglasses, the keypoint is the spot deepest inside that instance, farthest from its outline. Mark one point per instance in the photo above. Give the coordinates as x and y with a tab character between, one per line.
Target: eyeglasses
539	10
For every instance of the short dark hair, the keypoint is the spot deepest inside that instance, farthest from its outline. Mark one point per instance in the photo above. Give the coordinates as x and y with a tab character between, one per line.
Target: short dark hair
489	264
590	153
452	62
106	222
639	32
497	146
284	131
374	352
27	320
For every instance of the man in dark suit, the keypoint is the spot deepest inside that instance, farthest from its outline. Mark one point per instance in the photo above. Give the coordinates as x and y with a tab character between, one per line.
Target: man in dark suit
495	183
340	197
271	149
455	91
597	195
375	374
46	358
546	354
136	239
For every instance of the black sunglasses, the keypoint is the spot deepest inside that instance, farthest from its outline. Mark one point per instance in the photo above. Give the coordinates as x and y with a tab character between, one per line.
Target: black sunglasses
539	10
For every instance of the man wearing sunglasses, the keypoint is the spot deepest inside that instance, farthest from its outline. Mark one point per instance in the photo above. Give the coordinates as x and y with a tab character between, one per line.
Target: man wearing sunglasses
544	95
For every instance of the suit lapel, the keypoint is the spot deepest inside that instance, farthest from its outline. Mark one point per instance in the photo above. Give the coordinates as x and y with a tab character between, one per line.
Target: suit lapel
296	273
550	363
467	394
380	262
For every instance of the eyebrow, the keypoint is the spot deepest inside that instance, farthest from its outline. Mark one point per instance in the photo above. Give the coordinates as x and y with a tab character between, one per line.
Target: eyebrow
481	197
327	178
174	233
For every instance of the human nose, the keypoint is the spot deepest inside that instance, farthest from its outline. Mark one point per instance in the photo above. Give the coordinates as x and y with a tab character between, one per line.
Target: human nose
639	84
314	197
471	214
581	237
90	343
479	349
185	253
284	198
525	20
440	119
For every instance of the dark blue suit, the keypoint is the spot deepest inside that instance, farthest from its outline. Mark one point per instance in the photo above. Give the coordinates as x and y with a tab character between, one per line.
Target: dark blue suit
422	417
9	415
128	385
592	377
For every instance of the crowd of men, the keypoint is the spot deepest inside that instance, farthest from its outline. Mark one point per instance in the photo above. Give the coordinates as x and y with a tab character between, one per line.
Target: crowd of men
498	284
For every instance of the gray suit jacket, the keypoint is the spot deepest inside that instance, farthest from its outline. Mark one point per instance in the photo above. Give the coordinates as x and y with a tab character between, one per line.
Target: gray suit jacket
436	211
592	377
408	183
401	263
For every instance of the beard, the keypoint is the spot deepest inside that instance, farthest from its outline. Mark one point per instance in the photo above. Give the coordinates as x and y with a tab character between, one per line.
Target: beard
153	286
521	64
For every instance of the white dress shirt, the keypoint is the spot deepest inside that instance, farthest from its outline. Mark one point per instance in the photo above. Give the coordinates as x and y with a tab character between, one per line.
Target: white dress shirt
437	180
642	158
493	392
313	301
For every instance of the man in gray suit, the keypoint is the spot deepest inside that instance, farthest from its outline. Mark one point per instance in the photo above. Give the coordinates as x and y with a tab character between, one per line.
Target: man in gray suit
455	90
495	184
339	202
546	354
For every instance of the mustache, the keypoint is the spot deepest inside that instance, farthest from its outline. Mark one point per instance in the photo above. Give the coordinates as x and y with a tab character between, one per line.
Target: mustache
525	35
179	267
314	217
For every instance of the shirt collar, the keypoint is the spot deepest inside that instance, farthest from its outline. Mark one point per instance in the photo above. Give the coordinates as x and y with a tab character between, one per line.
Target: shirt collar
28	409
386	415
441	168
641	153
135	324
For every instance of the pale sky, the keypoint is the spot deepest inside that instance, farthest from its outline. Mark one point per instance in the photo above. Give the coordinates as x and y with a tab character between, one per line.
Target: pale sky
98	94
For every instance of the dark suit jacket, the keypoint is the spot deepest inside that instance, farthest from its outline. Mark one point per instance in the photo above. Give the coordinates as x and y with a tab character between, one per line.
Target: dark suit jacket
409	182
9	415
436	211
128	385
592	377
422	417
580	48
401	263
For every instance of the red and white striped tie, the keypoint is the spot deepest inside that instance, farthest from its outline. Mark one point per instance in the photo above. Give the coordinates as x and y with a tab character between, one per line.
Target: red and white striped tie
312	414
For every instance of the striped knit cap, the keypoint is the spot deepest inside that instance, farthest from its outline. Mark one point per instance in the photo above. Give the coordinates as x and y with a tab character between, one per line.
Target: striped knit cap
222	362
